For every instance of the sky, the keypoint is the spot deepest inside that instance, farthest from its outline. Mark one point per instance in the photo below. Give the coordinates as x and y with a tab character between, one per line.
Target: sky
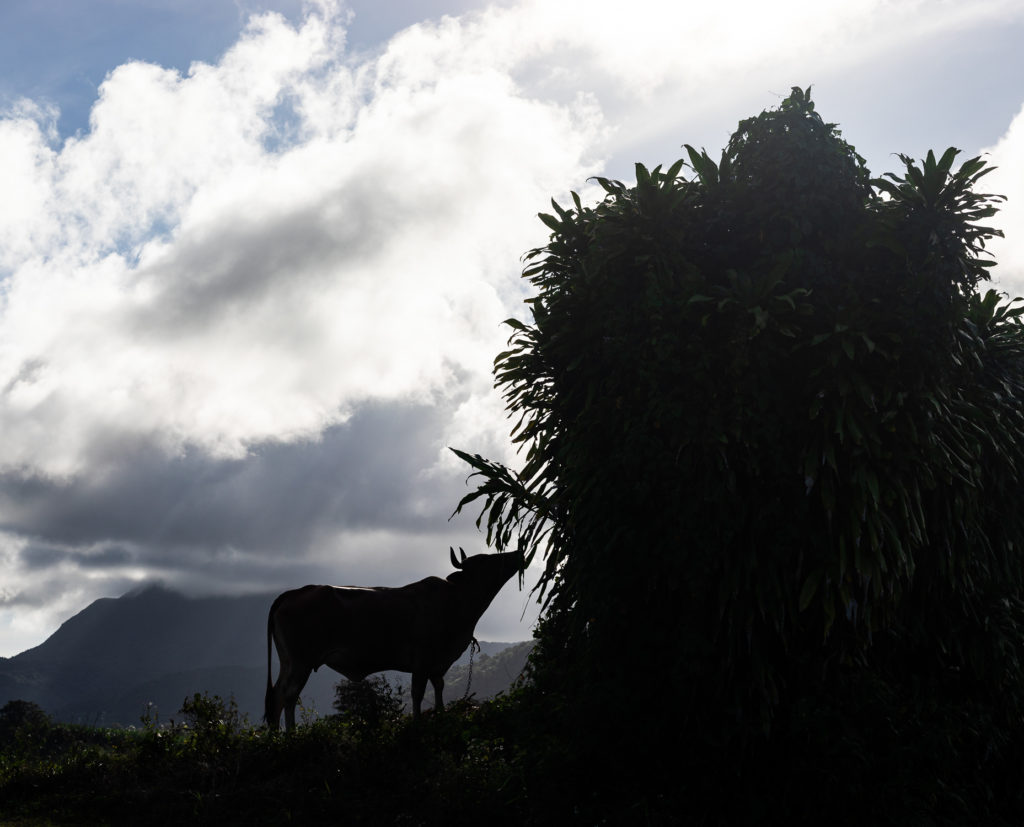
255	256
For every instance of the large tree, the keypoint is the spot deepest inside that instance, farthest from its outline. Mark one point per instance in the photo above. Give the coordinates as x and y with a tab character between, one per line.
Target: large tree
771	432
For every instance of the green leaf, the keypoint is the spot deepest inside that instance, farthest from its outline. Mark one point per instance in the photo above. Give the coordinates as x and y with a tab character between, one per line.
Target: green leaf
551	221
673	171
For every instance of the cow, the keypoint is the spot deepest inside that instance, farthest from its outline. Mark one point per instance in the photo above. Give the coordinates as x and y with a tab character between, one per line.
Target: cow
419	628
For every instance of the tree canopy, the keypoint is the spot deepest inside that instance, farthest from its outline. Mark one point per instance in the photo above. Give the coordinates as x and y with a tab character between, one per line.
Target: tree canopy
771	429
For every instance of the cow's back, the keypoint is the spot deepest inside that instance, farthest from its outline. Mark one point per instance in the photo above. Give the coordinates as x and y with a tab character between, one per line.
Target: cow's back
361	630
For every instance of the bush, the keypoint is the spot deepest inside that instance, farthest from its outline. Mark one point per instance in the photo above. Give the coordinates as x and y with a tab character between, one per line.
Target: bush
213	715
22	718
369	704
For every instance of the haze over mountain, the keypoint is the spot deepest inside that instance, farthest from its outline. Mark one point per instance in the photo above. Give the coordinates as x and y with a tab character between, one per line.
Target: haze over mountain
105	665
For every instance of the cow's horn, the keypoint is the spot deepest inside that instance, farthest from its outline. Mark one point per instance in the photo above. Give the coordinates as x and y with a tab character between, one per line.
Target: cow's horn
455	562
463	552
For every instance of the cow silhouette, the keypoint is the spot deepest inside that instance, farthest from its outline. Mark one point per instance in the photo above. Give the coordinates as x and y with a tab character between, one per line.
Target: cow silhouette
420	628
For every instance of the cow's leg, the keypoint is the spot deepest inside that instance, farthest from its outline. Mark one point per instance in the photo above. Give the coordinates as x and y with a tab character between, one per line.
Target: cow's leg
290	690
274	701
272	706
438	684
283	696
419	686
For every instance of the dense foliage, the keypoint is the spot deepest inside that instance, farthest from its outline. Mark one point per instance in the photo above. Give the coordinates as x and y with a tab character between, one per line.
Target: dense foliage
213	768
773	442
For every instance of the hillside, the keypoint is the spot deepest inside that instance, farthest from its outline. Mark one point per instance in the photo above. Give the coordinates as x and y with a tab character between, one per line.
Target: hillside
492	672
105	665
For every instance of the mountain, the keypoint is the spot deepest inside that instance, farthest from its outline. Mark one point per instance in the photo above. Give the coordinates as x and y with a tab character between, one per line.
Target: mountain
108	663
493	671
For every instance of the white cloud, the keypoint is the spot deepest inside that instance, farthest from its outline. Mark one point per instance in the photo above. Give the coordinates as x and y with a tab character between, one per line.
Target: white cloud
655	67
1008	180
192	280
25	136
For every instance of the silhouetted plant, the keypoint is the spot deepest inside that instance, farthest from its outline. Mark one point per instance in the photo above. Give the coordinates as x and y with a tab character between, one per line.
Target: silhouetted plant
150	717
773	439
25	727
369	704
22	715
213	721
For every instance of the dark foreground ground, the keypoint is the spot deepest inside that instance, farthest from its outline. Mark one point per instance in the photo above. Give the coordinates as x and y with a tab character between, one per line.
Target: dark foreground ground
503	762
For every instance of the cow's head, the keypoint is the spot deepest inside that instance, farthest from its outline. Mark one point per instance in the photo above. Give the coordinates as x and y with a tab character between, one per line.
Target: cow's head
484	568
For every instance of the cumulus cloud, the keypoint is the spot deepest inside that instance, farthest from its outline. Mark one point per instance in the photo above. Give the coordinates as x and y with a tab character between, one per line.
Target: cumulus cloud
189	283
1008	180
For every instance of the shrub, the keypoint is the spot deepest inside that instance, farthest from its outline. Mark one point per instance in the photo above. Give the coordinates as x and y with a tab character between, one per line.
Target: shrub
369	704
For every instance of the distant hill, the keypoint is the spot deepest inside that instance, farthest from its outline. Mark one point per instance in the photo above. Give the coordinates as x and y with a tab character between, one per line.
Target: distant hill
154	646
493	672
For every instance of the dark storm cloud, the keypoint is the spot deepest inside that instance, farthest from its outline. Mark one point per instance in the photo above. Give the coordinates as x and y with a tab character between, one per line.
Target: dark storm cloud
110	557
35	557
364	474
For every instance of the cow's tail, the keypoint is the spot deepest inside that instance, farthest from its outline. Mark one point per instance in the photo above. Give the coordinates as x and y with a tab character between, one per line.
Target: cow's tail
268	701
